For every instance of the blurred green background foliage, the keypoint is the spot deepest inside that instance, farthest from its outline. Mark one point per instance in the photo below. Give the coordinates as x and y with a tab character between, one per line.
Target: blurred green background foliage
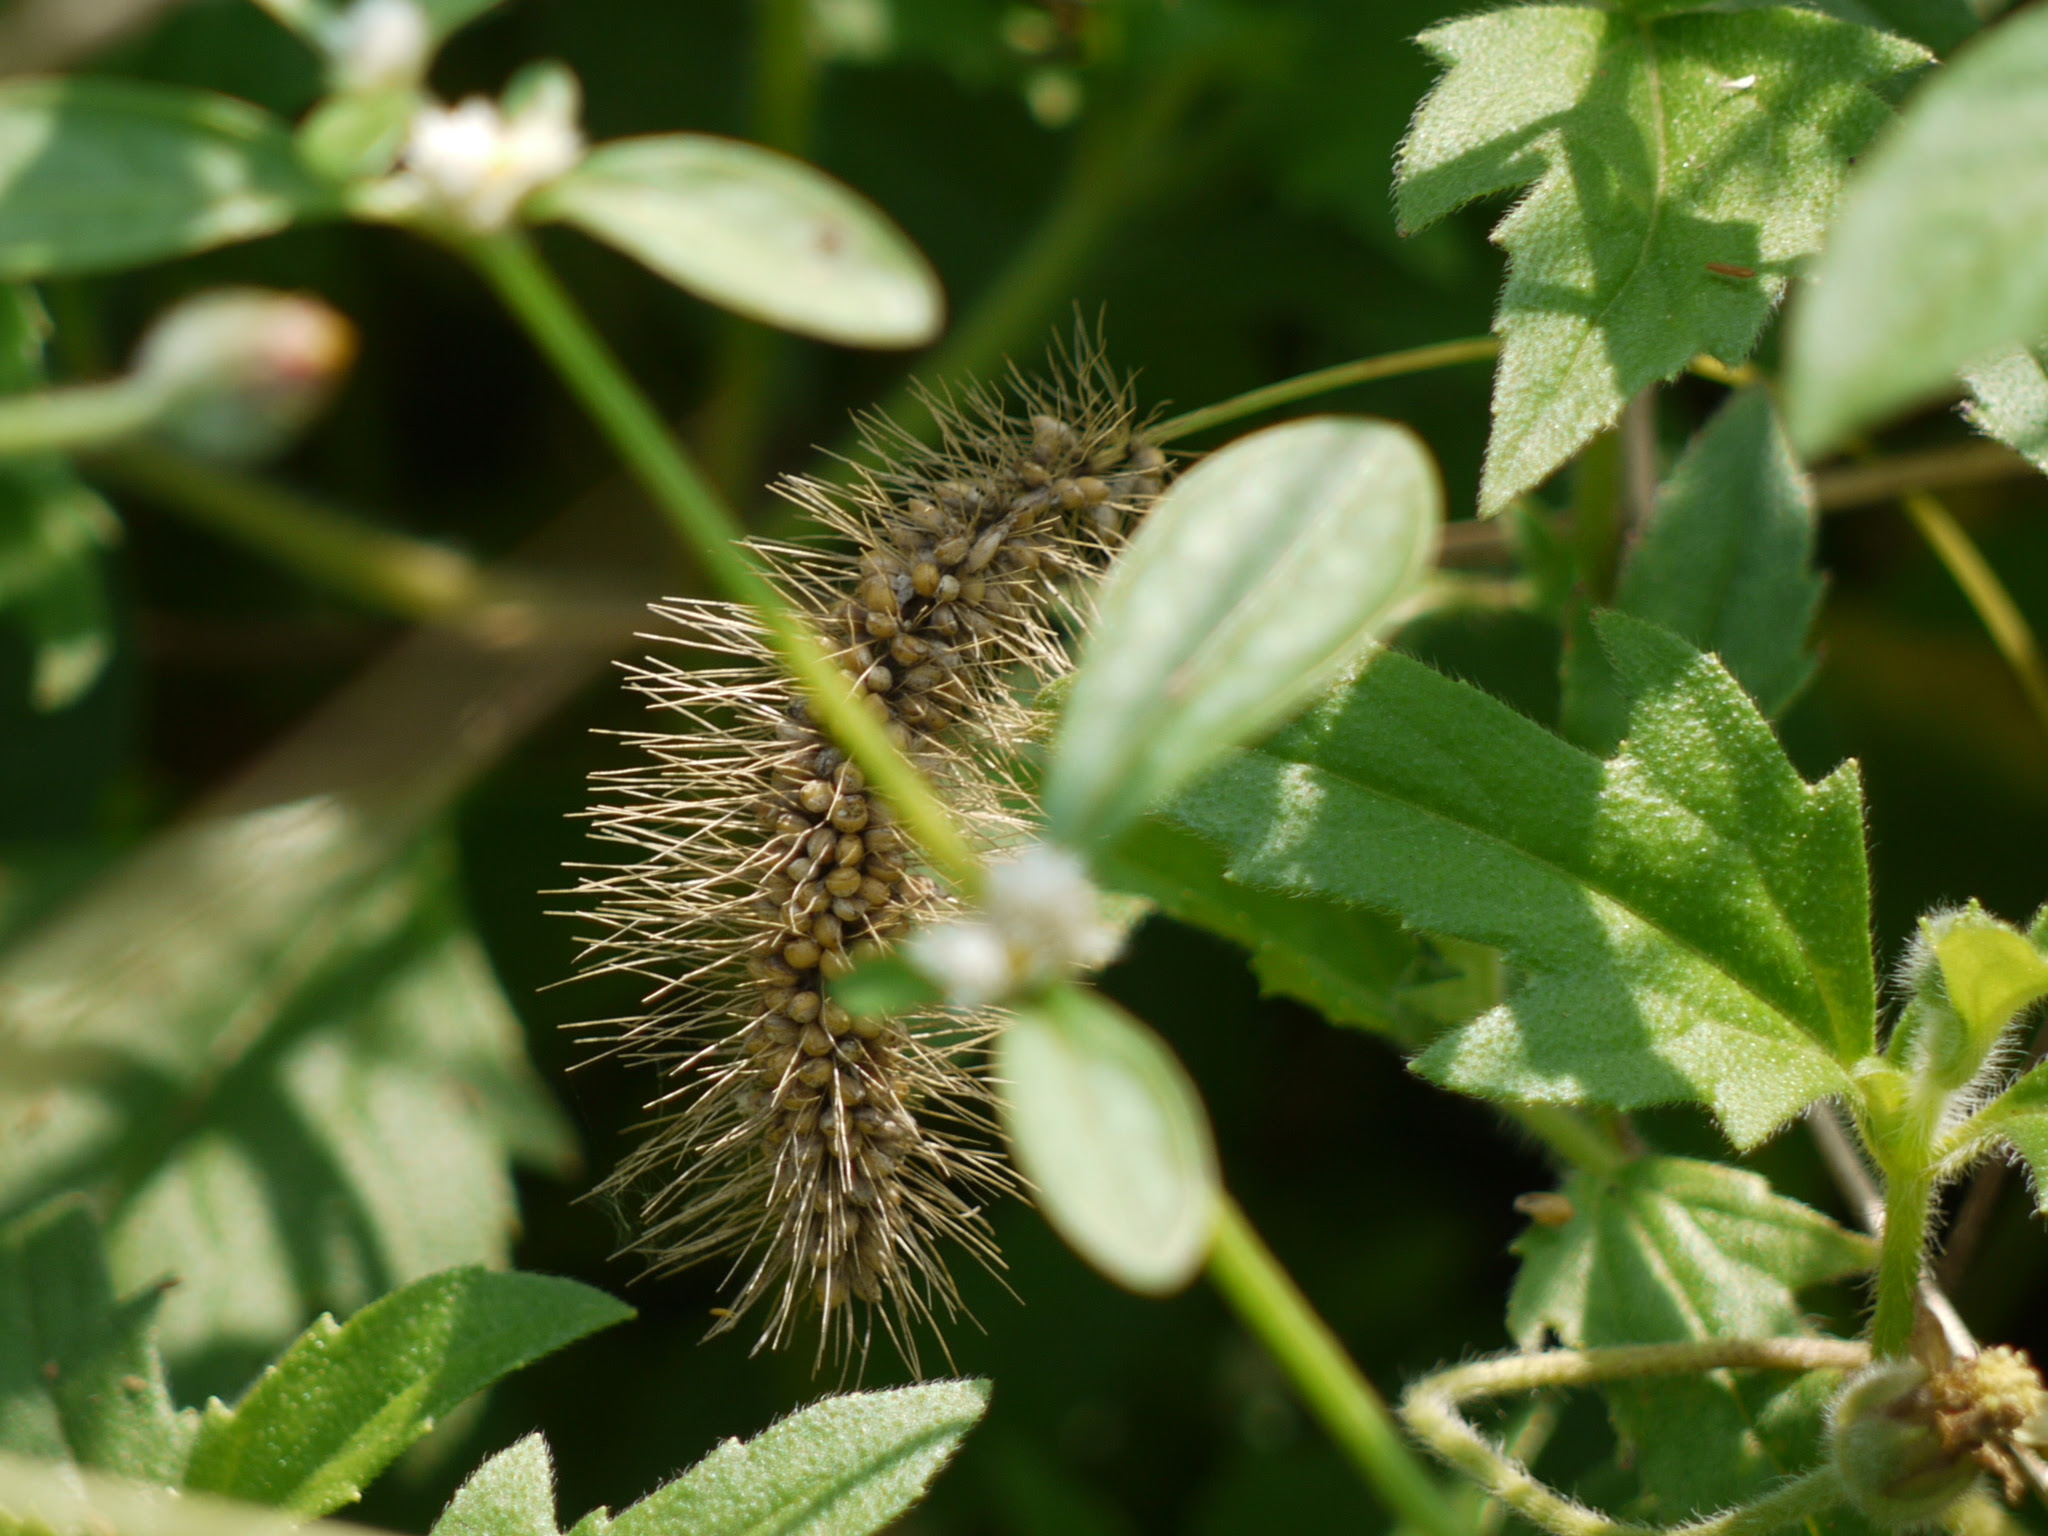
1213	176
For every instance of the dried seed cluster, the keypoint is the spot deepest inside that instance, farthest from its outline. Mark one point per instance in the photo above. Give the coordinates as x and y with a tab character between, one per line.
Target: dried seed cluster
826	1153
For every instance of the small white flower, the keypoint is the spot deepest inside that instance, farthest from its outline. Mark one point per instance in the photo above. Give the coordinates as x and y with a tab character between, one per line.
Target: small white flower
478	166
379	45
1039	921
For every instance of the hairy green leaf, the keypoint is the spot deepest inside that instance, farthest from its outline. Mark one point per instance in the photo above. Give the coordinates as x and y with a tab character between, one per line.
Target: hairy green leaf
2009	401
343	1402
287	1067
1934	263
1726	560
757	232
54	532
1664	1250
80	1378
98	174
1351	964
38	1499
1113	1137
1692	918
842	1467
1263	570
512	1494
1681	166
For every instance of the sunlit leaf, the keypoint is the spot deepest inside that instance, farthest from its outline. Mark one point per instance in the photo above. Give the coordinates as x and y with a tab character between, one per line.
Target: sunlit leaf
512	1494
1264	570
2009	401
757	232
98	174
1691	919
1934	263
1679	168
1105	1123
346	1400
37	1499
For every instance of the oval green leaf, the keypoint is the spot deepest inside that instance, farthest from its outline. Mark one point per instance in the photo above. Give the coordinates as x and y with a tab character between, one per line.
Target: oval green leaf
99	174
757	232
1262	573
1107	1126
1935	261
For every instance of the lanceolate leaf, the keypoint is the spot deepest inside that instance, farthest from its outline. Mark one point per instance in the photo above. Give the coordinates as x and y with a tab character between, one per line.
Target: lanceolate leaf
1681	166
80	1378
1665	1250
98	174
1726	560
1692	919
1934	263
344	1401
2009	401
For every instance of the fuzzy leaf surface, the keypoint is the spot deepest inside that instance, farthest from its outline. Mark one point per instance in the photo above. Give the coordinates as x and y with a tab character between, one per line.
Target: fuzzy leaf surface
2019	1116
512	1494
1351	964
1691	917
1666	1250
842	1467
1113	1136
758	232
80	1378
304	1113
54	533
97	174
1658	149
346	1400
2009	401
1934	263
1262	571
1725	560
39	1499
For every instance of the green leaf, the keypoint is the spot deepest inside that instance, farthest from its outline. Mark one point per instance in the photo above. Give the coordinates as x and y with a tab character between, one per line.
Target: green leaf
757	232
1681	167
1691	918
1665	1250
97	174
54	532
38	1499
1990	973
80	1377
1106	1125
1352	965
1726	560
312	18
345	1401
283	1063
842	1467
1262	572
882	986
2009	401
512	1494
1934	264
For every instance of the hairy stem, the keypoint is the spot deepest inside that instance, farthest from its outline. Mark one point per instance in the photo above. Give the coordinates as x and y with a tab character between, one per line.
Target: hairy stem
1431	1409
387	571
711	534
1901	1260
1305	386
2009	629
77	417
1268	1302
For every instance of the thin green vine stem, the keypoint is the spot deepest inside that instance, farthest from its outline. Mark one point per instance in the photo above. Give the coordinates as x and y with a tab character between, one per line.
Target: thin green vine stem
1268	1301
77	417
713	536
1994	606
1432	1409
1391	365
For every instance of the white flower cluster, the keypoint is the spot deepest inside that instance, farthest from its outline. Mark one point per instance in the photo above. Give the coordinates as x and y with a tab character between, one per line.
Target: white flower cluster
476	163
1038	921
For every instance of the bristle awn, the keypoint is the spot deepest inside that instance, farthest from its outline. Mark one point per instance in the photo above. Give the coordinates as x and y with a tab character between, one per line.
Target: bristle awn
828	1159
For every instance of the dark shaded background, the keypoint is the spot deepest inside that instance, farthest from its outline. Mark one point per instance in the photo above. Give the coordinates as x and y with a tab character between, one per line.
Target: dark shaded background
1255	242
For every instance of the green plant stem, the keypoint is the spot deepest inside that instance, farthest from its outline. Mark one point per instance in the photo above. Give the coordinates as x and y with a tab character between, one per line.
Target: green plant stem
1901	1260
78	417
714	537
1994	606
1267	1300
1577	1140
1432	1410
1390	365
383	570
